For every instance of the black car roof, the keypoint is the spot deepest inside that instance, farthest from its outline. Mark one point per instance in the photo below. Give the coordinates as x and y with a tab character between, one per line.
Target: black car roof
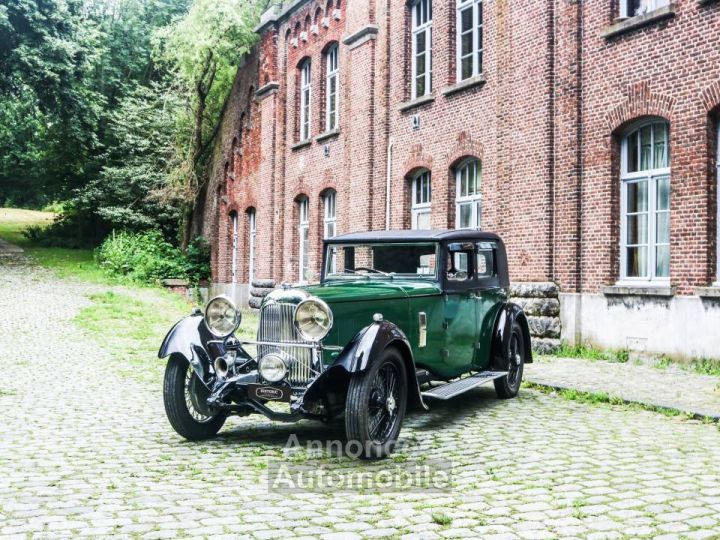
415	235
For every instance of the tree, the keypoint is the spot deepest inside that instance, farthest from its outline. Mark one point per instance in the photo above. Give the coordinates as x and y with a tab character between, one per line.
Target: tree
203	50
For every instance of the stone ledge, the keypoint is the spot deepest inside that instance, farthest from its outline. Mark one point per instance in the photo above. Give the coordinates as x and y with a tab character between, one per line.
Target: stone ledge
534	290
708	292
631	290
366	33
267	90
328	135
538	307
627	25
417	102
175	282
544	345
263	283
473	82
301	144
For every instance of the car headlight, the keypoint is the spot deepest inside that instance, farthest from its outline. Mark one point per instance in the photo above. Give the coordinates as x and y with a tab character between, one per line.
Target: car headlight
272	367
222	317
313	319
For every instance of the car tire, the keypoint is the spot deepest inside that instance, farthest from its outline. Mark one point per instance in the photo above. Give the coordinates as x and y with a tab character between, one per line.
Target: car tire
512	360
368	402
185	402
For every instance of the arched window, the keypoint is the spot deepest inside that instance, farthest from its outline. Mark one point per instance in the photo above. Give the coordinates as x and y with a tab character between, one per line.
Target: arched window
331	88
303	238
421	200
252	233
469	38
305	95
645	203
330	222
234	229
468	201
421	48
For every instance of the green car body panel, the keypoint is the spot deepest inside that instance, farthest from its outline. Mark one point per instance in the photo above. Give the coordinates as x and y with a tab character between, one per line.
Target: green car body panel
459	325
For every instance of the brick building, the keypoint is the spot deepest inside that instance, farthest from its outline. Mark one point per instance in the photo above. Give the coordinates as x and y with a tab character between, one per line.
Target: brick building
584	133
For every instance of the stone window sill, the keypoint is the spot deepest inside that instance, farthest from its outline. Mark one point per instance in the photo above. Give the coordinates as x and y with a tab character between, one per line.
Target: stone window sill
328	135
269	89
708	292
638	290
301	144
628	25
472	82
417	102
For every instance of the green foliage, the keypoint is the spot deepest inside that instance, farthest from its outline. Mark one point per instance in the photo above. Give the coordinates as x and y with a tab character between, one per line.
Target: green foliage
141	258
147	257
588	352
198	260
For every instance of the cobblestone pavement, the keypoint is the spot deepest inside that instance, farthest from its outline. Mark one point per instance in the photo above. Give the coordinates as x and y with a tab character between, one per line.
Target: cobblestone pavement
84	452
671	387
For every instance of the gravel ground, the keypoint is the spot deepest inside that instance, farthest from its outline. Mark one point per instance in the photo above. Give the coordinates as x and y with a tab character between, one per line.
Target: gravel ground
85	452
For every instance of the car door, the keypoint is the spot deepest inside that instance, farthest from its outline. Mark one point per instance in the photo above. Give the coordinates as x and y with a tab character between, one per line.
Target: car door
460	309
489	297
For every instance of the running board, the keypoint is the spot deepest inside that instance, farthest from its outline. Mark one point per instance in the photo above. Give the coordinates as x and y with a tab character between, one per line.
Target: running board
450	390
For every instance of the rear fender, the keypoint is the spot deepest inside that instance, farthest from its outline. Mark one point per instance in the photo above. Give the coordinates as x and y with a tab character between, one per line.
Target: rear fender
364	349
504	322
186	339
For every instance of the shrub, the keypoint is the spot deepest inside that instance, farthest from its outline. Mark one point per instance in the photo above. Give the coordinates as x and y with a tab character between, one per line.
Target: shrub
142	258
198	260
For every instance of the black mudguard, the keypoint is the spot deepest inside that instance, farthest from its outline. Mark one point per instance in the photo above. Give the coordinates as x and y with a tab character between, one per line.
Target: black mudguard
189	339
362	351
504	322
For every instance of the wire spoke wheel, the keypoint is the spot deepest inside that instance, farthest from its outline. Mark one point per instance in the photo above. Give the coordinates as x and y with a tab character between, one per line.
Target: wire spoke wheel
196	395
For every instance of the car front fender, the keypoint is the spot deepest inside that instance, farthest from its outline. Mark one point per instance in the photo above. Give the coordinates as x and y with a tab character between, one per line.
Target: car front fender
506	318
366	347
186	340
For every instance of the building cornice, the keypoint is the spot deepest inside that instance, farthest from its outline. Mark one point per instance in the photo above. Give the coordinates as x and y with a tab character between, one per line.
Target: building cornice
267	90
274	16
366	33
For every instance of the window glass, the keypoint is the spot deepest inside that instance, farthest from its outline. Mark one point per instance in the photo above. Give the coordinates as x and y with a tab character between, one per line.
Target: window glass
331	120
421	48
646	202
469	17
367	261
485	260
421	201
459	268
469	197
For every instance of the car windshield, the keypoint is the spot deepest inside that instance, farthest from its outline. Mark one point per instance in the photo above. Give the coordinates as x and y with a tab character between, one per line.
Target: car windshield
394	260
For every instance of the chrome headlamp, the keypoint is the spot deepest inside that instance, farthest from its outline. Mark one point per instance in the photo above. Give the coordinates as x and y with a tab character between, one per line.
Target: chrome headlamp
313	319
272	367
222	317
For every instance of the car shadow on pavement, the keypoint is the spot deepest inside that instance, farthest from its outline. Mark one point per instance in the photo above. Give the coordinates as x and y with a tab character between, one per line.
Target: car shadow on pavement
442	414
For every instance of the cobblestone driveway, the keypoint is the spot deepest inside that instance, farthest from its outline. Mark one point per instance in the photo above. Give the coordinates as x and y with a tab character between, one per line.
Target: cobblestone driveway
84	452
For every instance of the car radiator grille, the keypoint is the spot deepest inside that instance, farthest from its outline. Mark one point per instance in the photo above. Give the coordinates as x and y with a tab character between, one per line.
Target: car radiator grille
277	324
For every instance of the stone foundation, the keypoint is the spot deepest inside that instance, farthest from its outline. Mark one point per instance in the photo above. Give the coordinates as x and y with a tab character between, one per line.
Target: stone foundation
259	289
541	304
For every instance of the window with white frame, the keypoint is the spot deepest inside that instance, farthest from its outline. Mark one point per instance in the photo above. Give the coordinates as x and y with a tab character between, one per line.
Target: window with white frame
252	234
329	223
234	254
331	89
305	99
421	200
304	239
632	8
469	38
645	201
421	48
468	201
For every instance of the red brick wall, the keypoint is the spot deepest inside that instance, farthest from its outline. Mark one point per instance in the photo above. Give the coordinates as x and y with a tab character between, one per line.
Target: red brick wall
545	125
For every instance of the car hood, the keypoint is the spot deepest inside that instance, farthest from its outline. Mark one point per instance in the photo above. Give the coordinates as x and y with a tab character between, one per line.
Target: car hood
371	289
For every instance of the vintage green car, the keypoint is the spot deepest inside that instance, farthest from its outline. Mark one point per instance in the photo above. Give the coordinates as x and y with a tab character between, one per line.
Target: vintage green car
399	318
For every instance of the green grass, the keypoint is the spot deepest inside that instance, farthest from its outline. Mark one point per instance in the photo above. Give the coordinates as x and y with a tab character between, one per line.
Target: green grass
78	264
442	519
588	352
13	221
131	325
604	399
